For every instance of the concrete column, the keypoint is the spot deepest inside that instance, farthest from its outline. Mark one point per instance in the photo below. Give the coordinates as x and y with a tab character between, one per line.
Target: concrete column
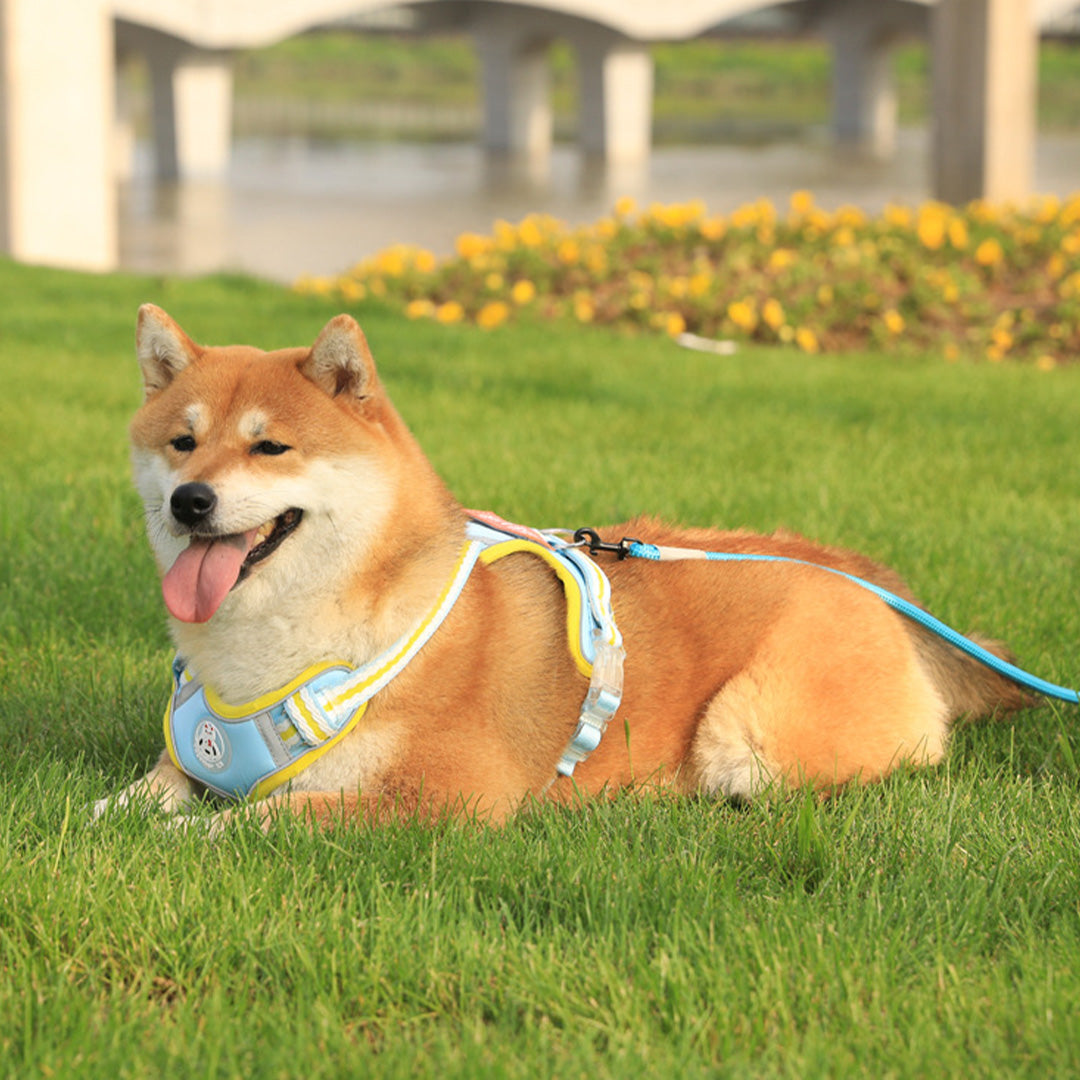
984	55
191	93
616	87
57	197
518	116
861	35
863	91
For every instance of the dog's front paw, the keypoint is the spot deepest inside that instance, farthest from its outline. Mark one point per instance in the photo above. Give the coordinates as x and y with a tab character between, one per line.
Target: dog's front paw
214	826
124	801
164	789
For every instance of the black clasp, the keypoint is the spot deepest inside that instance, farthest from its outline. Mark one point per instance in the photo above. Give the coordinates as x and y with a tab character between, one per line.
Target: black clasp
592	538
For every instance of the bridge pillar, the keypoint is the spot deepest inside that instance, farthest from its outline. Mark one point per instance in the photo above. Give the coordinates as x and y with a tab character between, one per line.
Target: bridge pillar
192	110
864	91
57	197
616	88
191	102
518	118
984	56
861	37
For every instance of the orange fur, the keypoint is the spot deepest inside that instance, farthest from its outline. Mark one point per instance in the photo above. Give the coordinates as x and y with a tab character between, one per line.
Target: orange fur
738	675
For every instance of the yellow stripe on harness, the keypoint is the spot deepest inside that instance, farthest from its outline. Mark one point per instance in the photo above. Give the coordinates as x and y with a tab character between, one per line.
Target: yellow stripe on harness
569	584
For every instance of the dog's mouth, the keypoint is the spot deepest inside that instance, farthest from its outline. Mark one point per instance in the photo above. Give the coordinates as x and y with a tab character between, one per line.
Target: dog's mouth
210	566
269	536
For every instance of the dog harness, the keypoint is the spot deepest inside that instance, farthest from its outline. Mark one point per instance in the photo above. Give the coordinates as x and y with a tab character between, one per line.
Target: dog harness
247	751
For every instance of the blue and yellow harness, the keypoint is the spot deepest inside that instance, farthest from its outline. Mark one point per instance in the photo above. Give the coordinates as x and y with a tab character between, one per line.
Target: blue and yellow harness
247	751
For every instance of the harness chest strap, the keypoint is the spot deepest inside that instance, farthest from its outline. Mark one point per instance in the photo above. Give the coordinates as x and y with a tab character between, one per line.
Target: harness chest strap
247	751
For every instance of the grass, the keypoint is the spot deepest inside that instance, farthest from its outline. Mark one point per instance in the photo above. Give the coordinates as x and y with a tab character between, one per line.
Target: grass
928	923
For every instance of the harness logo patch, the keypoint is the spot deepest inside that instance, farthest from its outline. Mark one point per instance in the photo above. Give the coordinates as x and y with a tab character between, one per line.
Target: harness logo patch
212	746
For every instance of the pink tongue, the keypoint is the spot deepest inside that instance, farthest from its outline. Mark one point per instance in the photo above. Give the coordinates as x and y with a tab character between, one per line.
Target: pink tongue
203	574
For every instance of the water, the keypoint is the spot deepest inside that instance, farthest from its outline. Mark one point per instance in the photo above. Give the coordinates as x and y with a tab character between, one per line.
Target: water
292	206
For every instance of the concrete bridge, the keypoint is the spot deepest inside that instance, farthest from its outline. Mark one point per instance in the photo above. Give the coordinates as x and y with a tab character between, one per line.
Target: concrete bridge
58	115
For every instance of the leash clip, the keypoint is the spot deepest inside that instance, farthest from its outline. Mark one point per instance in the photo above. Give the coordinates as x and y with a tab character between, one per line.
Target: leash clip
591	538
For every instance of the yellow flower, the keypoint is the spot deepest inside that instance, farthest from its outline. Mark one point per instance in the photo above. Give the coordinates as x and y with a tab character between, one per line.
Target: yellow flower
952	352
772	311
605	228
781	258
469	245
825	294
450	312
893	320
505	235
529	233
851	216
494	281
713	228
419	309
899	217
674	324
1047	208
596	259
625	206
1070	212
425	261
319	286
844	236
493	314
523	292
568	252
744	216
958	234
699	284
584	311
743	315
1046	362
806	339
989	253
931	225
351	289
802	202
392	262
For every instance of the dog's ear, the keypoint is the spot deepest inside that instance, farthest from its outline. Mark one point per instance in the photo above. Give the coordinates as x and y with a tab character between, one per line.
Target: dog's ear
340	361
163	349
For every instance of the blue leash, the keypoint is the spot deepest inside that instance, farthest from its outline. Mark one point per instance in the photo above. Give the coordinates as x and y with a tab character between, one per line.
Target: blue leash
637	550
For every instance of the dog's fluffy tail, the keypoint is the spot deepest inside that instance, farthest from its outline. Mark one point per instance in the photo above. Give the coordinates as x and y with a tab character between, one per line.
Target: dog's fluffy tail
971	690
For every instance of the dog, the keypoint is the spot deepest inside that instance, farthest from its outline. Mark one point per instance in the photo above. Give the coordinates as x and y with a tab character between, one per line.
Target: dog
307	548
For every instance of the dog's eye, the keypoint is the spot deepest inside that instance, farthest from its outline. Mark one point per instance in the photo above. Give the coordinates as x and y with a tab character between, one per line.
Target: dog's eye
184	443
269	447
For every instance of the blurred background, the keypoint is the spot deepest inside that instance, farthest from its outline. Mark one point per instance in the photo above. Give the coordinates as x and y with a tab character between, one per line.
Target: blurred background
290	137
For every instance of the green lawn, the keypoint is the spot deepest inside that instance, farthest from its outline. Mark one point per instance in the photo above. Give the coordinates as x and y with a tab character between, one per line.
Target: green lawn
930	924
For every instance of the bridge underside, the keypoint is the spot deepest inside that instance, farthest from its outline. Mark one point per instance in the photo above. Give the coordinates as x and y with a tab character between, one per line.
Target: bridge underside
57	193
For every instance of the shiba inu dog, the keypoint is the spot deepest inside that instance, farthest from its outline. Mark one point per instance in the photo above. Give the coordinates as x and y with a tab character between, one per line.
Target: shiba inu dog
351	641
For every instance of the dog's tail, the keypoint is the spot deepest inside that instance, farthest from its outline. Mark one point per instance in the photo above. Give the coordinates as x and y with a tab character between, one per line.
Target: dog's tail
971	690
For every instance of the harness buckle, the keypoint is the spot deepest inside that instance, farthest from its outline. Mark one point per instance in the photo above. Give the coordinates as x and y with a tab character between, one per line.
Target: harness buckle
591	538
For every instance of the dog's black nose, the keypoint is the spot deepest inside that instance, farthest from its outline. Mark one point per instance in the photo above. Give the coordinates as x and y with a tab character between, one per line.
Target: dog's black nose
192	503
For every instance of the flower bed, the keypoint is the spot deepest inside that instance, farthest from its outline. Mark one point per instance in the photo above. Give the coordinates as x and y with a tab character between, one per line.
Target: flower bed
985	281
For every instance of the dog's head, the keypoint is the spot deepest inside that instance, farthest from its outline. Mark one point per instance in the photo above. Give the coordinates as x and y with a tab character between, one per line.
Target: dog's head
260	472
